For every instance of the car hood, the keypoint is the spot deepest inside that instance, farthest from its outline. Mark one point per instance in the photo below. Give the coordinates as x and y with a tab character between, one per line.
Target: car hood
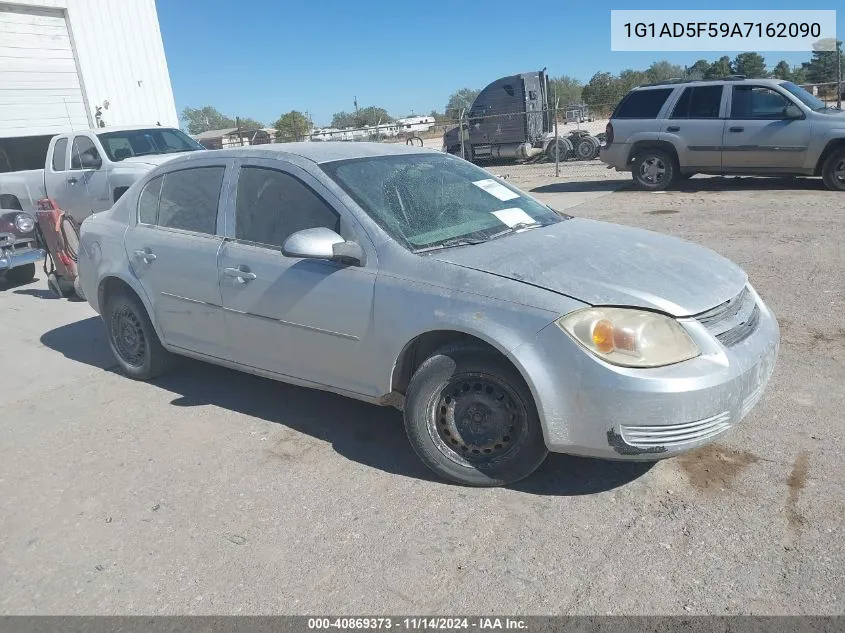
153	160
609	264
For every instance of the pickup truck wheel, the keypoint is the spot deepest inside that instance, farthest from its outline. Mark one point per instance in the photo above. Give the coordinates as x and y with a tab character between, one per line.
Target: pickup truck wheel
132	338
653	170
833	171
21	274
471	418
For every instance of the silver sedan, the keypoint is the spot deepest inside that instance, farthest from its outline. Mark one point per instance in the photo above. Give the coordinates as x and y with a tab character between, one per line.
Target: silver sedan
408	277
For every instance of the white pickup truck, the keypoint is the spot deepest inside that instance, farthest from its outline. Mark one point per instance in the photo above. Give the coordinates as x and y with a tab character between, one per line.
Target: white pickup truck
87	171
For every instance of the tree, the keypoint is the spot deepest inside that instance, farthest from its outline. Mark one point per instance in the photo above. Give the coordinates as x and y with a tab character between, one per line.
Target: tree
629	79
698	69
822	68
663	71
719	69
370	115
293	126
210	118
566	88
752	65
460	100
782	71
602	92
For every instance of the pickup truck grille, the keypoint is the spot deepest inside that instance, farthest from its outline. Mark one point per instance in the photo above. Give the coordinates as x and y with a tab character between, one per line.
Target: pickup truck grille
733	321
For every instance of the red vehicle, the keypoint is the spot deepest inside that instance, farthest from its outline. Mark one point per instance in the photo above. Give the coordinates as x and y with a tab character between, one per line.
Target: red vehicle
19	249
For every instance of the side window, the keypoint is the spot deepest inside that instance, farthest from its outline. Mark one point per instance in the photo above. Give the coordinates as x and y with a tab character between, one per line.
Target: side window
699	102
60	155
148	201
189	199
272	204
642	104
84	154
757	102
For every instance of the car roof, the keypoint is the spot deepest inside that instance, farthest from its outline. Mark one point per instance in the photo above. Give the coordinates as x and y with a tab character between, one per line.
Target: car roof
323	151
710	82
131	128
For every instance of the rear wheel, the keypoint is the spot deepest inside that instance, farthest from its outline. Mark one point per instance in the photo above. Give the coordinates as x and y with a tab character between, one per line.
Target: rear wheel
561	145
21	274
588	148
471	418
653	170
132	338
833	171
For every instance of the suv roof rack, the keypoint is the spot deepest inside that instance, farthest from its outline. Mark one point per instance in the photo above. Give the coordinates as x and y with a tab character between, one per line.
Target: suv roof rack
734	78
669	82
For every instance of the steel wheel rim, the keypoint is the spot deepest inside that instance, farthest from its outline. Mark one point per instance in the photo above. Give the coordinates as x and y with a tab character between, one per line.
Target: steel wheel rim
478	420
127	335
585	149
652	169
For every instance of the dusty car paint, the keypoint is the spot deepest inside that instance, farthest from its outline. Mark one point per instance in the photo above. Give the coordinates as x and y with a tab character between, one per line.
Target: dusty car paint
350	333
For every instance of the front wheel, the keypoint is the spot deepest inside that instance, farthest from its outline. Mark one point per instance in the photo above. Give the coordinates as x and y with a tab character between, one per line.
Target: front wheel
653	170
471	418
833	171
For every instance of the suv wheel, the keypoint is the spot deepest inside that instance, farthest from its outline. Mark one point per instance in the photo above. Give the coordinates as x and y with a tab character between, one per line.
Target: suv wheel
471	418
653	170
833	171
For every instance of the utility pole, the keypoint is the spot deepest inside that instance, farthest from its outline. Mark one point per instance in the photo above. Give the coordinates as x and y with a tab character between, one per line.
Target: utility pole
838	74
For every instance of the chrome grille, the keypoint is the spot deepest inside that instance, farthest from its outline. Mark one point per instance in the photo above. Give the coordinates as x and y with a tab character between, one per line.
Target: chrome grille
675	435
734	320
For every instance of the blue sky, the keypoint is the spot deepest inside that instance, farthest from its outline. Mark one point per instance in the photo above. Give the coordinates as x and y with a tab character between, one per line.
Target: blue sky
261	58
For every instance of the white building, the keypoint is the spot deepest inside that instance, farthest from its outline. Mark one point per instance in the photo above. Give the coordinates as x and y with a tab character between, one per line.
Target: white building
416	124
62	59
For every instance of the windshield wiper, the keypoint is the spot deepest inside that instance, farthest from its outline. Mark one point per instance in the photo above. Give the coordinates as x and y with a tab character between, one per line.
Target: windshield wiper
458	241
519	226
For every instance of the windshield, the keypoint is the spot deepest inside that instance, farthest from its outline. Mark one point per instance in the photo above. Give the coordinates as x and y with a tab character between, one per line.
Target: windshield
157	140
806	98
428	201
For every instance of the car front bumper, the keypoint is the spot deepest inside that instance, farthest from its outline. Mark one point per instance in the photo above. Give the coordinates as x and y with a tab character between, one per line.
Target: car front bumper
592	408
14	258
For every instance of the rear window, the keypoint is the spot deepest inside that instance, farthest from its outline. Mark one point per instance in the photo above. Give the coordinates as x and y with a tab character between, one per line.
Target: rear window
642	104
700	102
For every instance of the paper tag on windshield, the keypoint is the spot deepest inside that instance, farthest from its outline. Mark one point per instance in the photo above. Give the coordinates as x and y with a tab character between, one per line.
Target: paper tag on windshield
496	189
513	216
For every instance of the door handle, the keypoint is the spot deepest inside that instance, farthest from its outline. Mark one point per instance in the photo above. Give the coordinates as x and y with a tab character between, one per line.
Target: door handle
146	255
673	128
241	273
737	129
72	181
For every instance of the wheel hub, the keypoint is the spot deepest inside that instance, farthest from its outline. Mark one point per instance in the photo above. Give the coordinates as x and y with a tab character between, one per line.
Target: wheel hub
128	337
478	419
652	169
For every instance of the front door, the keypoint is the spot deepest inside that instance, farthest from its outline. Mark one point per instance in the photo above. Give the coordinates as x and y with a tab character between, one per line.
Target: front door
758	135
86	182
173	249
304	318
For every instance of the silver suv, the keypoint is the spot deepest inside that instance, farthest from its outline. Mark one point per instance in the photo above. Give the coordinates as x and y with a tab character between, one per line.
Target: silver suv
669	131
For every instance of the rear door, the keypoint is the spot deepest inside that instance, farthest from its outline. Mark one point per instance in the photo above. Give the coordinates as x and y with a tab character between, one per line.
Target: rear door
305	318
758	136
173	249
695	127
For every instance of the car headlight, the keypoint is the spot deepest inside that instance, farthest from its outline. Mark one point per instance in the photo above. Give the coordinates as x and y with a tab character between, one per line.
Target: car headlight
24	223
630	338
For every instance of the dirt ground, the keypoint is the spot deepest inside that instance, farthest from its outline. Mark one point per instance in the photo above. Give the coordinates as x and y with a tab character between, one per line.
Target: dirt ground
208	491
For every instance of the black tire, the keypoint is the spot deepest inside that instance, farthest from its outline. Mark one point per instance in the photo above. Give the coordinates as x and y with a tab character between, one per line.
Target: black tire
132	338
654	170
588	148
564	146
20	275
471	418
833	171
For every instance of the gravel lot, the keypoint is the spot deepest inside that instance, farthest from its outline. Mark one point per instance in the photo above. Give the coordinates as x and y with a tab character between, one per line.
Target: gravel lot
211	491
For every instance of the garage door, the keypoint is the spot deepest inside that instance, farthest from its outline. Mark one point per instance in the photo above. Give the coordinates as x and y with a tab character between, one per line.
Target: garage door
40	91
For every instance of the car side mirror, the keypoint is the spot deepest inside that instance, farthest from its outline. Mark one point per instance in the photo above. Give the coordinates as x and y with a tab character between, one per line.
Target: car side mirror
323	243
792	111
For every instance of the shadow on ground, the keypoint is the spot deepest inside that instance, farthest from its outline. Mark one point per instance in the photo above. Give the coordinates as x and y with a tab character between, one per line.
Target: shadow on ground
368	434
747	183
583	185
5	285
